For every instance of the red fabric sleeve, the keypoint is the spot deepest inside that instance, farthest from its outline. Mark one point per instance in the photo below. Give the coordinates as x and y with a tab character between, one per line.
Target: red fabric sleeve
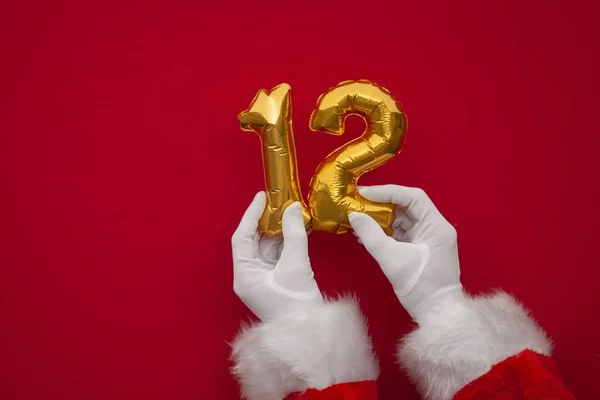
366	390
525	376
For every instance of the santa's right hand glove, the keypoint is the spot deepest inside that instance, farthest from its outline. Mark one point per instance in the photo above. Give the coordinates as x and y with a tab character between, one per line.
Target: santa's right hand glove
421	260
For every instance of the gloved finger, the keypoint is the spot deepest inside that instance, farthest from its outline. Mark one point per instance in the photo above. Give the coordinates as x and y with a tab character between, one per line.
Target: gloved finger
295	239
410	235
402	224
414	200
403	221
270	249
244	242
371	235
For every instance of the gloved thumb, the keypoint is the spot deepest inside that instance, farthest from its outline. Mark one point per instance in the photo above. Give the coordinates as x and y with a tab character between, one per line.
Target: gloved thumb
370	234
402	263
295	239
293	277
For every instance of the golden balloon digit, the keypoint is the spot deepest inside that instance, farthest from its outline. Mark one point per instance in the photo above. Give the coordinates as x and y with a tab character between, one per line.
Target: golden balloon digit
270	115
333	193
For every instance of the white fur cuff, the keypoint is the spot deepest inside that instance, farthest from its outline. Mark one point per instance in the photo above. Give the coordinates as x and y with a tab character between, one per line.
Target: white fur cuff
463	338
314	347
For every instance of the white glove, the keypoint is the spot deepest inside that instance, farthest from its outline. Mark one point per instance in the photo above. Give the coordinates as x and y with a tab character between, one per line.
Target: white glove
421	261
271	275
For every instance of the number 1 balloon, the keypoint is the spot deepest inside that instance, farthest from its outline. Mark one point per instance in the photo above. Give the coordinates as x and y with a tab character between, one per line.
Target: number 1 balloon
333	194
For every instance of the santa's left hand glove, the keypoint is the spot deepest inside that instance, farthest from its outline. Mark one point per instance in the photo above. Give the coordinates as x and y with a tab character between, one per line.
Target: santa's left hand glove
272	275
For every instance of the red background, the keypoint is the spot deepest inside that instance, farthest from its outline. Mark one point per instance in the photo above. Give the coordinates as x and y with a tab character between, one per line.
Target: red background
124	174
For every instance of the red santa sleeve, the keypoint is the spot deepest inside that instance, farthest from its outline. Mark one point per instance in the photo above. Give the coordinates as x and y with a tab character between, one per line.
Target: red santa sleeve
321	352
481	348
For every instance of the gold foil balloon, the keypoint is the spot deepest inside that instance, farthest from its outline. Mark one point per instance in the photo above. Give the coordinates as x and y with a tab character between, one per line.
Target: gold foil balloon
270	115
333	193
